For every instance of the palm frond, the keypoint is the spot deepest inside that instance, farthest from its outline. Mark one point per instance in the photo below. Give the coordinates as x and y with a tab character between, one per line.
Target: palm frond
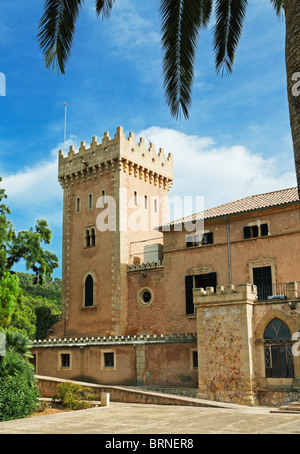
181	21
56	31
230	16
104	7
278	6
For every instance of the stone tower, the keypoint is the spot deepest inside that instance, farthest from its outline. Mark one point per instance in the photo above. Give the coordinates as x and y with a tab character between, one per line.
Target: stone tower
115	193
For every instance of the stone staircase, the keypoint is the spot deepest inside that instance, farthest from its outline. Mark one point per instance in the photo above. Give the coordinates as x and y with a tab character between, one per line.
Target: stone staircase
292	407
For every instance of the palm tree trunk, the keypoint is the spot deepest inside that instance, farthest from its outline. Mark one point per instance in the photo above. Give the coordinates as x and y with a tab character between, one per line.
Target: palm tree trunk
292	57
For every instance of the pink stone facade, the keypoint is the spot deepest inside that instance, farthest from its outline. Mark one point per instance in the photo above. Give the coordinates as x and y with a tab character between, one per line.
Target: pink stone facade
138	322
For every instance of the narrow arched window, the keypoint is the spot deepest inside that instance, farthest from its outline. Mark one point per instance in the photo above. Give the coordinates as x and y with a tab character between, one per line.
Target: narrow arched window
93	237
89	291
87	238
278	350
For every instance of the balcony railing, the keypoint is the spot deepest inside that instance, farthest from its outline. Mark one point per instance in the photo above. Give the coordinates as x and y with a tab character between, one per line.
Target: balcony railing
276	291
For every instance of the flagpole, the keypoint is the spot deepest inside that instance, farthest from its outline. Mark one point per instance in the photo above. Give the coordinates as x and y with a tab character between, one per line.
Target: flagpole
65	130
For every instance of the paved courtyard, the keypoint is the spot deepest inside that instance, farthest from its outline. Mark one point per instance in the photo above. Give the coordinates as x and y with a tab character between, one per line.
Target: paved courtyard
122	418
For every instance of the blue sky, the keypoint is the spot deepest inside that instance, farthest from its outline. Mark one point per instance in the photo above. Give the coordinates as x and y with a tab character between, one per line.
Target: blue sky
237	141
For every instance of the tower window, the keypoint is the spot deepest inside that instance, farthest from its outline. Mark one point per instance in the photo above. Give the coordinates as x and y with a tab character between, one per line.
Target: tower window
135	198
87	238
93	237
90	237
155	202
90	201
78	205
89	291
145	202
103	198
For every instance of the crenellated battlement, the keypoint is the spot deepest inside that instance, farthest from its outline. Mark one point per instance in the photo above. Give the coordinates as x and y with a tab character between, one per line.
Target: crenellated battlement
120	153
230	294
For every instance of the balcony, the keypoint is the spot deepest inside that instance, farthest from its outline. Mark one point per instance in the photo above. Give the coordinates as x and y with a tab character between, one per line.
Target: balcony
286	290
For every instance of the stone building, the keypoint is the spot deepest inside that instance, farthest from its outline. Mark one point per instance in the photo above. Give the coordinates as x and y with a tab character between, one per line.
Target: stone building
207	302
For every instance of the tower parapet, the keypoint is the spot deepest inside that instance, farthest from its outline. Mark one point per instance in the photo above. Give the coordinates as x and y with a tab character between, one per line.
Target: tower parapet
120	153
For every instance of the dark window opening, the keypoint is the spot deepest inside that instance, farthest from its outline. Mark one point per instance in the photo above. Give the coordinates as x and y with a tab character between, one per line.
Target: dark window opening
108	359
264	230
195	359
252	231
90	238
278	350
65	360
146	296
192	240
262	278
87	239
89	291
208	238
93	237
197	281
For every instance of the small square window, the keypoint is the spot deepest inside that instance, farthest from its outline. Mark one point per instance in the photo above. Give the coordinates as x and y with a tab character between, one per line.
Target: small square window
65	360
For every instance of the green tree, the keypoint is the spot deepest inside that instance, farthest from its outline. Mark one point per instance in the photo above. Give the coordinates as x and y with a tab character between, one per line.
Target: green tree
18	390
26	245
181	24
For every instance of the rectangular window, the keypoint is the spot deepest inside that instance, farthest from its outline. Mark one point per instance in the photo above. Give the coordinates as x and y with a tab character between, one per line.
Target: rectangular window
197	281
252	231
155	207
264	230
208	238
103	198
135	198
195	359
145	202
90	201
65	360
109	359
262	278
192	240
78	205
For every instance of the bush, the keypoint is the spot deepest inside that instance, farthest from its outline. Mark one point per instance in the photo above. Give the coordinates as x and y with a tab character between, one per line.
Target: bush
75	397
18	398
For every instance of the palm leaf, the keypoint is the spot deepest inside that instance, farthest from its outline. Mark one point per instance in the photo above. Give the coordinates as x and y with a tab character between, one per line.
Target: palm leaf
230	16
56	30
181	21
104	7
278	6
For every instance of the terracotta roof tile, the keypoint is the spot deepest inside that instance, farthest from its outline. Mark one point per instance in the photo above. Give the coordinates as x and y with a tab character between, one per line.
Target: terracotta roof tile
254	202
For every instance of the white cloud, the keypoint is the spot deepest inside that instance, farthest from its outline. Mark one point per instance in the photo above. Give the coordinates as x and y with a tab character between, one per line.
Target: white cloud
220	174
34	192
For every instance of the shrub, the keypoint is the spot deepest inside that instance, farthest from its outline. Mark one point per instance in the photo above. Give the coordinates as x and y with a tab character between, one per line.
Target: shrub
75	397
18	398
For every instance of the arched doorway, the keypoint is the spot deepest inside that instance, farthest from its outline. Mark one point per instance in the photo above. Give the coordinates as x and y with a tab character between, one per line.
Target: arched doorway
278	350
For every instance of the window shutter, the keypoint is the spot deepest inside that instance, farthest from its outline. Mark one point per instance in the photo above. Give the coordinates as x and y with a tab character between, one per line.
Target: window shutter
247	232
210	238
264	229
189	284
